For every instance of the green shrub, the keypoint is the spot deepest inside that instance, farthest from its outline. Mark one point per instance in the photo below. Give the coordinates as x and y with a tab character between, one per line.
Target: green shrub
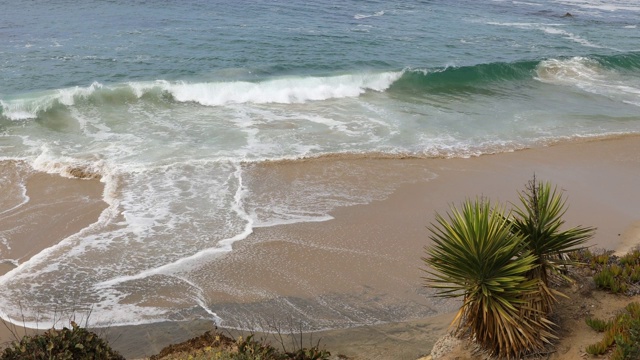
623	331
602	259
213	345
66	344
604	279
631	258
598	348
634	276
628	347
597	324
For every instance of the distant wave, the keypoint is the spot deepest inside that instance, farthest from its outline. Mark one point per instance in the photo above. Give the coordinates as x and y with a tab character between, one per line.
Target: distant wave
603	5
364	16
552	29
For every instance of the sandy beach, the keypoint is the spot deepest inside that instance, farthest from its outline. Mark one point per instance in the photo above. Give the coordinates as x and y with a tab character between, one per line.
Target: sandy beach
362	270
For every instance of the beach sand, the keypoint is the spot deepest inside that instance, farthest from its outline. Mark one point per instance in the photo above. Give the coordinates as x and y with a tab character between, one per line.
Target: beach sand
362	269
57	207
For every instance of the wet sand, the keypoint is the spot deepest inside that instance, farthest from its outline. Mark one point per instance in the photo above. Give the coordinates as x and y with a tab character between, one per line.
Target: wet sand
362	270
57	207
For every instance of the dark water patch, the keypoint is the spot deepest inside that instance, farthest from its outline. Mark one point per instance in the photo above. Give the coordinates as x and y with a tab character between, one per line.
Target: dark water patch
628	61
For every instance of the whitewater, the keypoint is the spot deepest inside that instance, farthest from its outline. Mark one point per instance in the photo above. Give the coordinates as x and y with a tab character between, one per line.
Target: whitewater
173	107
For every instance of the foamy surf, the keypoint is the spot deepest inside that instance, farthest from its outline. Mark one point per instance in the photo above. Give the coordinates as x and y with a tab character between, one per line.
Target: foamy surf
590	76
280	91
30	106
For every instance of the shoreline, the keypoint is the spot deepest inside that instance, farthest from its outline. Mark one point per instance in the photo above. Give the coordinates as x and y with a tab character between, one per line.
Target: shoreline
352	255
367	259
53	208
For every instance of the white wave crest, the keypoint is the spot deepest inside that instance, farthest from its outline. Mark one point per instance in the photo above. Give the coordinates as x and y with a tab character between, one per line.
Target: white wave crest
282	91
588	75
552	29
570	36
364	16
603	5
29	107
569	71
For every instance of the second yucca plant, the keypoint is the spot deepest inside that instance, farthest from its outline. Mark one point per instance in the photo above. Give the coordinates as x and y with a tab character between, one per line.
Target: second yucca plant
538	220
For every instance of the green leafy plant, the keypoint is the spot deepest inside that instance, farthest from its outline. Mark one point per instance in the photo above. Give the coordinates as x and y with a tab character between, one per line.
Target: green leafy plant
631	258
597	324
67	344
539	221
475	255
623	331
213	345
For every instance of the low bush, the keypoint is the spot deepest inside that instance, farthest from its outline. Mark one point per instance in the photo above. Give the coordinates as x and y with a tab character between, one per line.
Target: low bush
67	344
212	345
623	331
619	275
597	324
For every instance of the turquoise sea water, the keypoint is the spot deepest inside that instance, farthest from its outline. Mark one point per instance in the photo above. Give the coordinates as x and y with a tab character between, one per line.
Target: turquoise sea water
168	101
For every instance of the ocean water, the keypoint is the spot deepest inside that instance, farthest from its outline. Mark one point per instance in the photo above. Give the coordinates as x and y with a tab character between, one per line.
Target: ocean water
170	103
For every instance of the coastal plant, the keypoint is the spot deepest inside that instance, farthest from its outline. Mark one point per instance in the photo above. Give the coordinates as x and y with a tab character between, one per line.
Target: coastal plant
476	256
539	221
597	324
605	279
73	344
623	332
214	345
631	258
252	349
616	279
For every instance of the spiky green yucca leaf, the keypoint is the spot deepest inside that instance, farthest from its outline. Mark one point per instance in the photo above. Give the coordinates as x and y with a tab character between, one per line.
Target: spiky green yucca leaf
476	256
539	222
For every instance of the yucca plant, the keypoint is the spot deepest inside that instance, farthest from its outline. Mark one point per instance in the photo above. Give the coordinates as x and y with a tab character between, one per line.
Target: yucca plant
539	222
475	255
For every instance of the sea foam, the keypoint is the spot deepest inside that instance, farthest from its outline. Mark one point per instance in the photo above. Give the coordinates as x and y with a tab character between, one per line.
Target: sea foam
590	76
282	91
30	106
